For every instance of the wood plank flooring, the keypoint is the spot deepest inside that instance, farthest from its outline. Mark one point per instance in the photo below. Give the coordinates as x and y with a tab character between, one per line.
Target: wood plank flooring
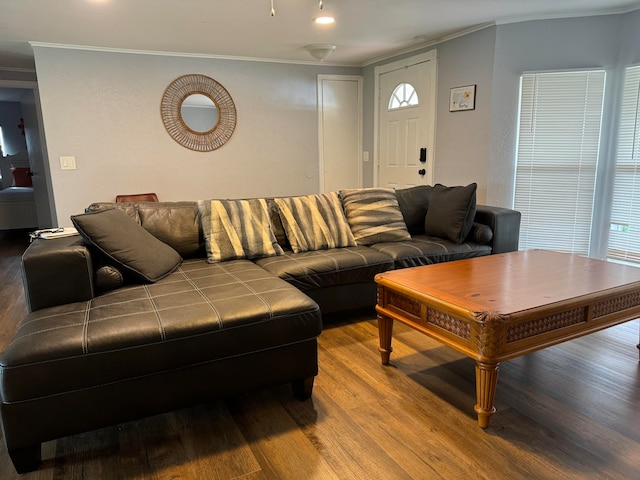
571	411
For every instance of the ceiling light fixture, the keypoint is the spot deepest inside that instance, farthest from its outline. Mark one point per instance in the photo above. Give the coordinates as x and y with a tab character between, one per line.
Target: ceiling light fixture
324	20
320	51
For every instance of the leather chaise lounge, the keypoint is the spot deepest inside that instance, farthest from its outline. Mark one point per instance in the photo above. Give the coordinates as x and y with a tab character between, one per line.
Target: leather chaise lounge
109	340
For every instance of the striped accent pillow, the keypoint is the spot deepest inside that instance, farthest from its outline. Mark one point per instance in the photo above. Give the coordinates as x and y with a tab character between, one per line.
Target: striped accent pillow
374	215
315	222
237	229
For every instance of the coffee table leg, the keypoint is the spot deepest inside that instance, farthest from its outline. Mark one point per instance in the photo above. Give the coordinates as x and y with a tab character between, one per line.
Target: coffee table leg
486	384
385	330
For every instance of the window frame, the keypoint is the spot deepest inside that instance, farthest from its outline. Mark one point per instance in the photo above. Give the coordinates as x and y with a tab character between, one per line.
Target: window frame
546	223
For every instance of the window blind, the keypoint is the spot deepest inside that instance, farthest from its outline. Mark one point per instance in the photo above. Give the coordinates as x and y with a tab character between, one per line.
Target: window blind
557	156
624	234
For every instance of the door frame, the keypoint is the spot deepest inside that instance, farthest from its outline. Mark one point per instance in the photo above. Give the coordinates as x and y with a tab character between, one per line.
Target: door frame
350	78
431	55
44	200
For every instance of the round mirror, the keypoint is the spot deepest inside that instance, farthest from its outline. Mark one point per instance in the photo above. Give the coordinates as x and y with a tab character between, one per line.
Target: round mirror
198	112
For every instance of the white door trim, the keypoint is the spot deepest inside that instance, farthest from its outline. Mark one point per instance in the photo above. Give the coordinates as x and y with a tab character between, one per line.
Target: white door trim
45	203
352	78
380	70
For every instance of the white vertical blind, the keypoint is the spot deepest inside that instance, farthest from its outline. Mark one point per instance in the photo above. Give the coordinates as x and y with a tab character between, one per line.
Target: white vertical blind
557	157
624	234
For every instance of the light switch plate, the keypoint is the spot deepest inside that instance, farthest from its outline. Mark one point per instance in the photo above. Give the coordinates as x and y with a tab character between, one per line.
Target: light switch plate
68	163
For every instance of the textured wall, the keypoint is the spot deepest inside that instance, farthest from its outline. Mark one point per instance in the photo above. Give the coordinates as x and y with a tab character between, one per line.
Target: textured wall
577	43
462	138
104	109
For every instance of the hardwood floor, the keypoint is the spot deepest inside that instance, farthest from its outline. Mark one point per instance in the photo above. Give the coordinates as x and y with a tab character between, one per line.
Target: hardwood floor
570	411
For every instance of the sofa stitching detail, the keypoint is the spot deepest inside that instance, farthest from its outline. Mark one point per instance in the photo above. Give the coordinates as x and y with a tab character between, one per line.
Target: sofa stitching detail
251	289
85	328
154	306
39	319
103	352
71	325
359	254
331	258
204	297
90	307
111	317
297	260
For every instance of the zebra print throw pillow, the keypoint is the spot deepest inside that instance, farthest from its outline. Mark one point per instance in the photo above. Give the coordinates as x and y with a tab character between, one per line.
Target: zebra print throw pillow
315	222
374	215
236	229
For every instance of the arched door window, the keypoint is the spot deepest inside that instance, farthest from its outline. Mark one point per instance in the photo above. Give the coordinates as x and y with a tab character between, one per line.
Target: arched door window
403	96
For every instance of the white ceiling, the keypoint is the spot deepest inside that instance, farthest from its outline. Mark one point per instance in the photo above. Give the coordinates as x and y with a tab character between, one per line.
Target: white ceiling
365	30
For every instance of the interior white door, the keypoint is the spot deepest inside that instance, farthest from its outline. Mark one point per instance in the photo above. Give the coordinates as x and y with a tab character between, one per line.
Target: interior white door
406	123
340	131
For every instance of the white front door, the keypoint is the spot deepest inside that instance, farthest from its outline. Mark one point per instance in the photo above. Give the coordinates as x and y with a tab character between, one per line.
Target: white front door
406	121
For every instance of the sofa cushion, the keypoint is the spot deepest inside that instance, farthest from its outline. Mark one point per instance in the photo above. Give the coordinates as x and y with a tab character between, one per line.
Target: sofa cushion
202	313
129	208
315	222
328	268
107	278
175	223
235	229
276	224
374	215
125	243
413	203
425	250
480	233
451	212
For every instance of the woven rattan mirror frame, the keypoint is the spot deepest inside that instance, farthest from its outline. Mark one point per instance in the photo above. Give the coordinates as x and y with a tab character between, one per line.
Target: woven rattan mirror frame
170	110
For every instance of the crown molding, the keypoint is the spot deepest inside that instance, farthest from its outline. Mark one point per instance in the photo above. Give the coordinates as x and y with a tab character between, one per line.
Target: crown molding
560	16
430	43
65	46
414	48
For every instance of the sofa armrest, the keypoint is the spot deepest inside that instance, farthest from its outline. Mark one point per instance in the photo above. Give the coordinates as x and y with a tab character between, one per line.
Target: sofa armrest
57	271
505	225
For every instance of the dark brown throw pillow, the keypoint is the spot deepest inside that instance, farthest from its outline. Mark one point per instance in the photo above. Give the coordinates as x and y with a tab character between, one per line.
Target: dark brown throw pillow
451	212
128	245
108	278
414	203
480	233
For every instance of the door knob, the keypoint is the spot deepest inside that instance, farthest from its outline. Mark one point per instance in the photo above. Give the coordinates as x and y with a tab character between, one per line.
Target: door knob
422	171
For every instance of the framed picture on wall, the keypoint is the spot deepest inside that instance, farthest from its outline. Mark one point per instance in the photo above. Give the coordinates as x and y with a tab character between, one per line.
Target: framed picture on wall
462	98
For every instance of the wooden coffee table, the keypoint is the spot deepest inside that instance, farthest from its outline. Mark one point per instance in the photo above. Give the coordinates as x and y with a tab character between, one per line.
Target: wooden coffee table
499	307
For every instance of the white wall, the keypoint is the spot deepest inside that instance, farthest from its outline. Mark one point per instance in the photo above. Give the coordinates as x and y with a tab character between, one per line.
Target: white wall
104	109
577	43
630	39
480	145
463	138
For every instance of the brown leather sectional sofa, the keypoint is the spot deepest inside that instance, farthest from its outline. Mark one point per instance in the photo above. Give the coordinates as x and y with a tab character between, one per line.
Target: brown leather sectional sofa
101	347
